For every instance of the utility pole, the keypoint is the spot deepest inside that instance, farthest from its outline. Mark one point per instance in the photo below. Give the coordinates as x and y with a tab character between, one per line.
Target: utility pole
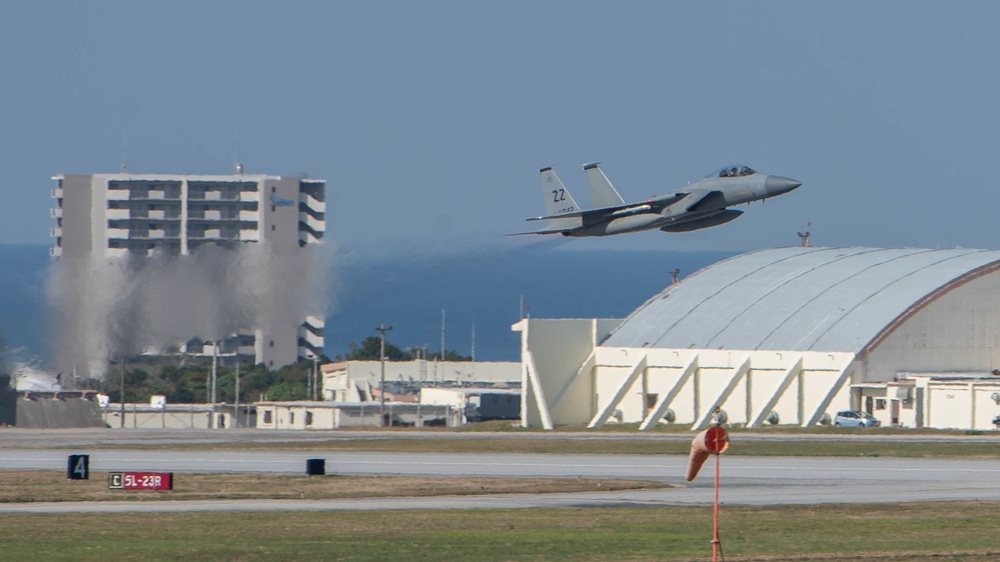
315	376
236	401
215	369
442	334
382	329
123	393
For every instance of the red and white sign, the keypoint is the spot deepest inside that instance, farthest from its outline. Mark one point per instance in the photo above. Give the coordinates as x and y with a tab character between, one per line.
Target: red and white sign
141	480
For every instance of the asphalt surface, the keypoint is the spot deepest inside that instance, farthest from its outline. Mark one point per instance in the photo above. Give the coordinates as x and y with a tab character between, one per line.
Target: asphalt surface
745	479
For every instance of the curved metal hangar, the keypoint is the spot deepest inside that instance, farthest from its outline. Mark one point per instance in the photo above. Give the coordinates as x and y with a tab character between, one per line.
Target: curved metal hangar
784	336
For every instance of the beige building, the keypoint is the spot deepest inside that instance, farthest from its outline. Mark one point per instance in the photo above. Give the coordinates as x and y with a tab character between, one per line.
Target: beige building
785	336
352	381
337	415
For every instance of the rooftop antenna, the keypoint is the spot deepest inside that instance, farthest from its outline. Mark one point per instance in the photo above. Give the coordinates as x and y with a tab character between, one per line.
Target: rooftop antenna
442	334
805	235
675	276
473	340
124	152
239	160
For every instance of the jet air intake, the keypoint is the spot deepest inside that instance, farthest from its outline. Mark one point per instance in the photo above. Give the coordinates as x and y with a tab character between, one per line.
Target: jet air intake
705	222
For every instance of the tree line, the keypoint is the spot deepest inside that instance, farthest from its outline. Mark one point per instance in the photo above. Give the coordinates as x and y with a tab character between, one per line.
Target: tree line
187	380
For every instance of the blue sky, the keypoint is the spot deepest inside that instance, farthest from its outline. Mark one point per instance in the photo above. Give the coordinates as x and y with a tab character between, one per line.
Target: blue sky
430	119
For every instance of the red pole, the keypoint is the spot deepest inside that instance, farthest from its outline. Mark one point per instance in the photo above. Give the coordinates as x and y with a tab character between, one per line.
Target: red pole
715	514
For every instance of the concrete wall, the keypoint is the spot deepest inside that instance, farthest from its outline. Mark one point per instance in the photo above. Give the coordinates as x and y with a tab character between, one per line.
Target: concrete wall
57	412
178	416
553	353
569	380
716	379
327	415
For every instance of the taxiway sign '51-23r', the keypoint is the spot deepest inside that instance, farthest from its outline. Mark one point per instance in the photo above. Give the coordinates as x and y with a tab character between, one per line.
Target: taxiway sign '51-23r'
701	204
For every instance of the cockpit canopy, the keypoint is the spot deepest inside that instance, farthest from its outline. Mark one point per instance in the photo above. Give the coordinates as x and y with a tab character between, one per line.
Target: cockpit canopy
732	172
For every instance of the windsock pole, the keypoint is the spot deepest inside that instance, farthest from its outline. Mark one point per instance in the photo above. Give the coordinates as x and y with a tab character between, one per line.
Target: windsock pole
716	544
711	442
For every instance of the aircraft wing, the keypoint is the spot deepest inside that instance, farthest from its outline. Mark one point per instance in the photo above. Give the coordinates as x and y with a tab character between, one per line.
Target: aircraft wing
708	201
588	215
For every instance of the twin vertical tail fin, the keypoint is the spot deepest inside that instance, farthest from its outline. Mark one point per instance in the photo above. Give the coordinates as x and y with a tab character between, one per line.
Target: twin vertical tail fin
602	193
558	200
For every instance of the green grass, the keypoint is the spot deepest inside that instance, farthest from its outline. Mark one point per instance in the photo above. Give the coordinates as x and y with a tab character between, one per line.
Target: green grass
938	531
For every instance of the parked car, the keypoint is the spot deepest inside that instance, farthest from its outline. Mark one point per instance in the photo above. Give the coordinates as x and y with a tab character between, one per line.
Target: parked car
854	418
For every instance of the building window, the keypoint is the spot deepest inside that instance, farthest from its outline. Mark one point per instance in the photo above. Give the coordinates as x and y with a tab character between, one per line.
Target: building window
291	418
271	344
272	226
267	416
274	189
309	418
880	403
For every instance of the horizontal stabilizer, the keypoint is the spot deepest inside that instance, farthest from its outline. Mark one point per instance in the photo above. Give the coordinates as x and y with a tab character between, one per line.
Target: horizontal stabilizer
559	231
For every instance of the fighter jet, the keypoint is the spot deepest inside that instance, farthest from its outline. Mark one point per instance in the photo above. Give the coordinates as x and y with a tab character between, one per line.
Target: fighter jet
698	205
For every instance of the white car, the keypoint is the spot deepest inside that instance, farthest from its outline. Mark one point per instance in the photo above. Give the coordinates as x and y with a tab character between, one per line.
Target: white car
854	418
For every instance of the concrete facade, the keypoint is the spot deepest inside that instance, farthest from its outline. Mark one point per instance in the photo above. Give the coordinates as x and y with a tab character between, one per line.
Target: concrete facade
104	217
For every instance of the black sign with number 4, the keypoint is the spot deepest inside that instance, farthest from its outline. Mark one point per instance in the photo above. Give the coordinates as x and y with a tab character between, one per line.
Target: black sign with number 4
78	467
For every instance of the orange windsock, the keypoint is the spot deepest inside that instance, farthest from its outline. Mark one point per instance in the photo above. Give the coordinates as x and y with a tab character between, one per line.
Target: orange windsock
712	441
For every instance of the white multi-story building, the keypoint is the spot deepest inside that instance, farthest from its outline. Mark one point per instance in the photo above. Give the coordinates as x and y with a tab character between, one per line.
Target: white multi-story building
110	217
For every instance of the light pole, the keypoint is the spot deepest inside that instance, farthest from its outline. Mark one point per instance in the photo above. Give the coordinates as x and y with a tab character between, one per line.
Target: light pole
382	329
315	377
236	401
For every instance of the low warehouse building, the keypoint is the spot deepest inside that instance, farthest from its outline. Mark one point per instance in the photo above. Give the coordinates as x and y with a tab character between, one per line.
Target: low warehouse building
784	335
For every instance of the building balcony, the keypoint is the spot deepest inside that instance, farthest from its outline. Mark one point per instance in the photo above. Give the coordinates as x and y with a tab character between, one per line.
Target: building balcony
160	215
55	252
55	232
311	338
315	224
213	215
249	196
56	213
57	193
250	235
312	203
250	216
213	196
157	194
118	195
118	233
117	214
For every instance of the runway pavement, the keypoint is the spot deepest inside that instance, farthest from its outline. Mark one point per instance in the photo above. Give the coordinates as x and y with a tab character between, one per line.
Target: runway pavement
745	480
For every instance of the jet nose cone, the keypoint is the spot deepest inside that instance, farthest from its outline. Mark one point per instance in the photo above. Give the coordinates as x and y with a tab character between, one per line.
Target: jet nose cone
776	185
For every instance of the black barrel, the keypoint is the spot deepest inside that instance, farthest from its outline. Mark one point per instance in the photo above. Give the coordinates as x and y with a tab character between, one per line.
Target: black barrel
315	467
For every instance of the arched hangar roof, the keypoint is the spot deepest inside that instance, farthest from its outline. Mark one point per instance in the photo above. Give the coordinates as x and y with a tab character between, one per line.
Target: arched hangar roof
801	299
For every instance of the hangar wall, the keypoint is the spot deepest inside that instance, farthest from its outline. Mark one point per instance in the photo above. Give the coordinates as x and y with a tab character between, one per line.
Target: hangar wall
569	380
958	331
554	381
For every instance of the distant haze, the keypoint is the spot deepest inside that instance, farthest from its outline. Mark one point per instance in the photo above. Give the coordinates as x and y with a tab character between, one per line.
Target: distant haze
405	292
103	309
